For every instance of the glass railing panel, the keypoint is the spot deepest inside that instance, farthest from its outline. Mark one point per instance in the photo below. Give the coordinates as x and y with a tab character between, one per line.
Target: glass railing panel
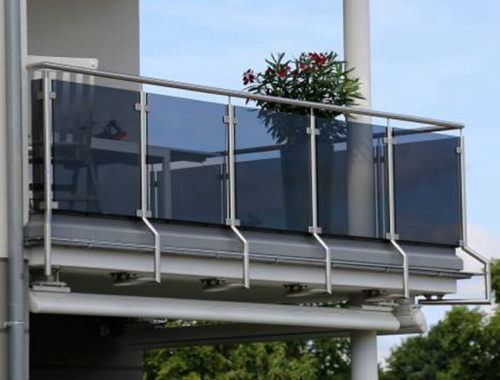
96	149
427	187
186	159
350	153
272	170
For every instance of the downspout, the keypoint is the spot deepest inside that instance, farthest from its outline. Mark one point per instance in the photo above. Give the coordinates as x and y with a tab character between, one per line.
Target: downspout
16	305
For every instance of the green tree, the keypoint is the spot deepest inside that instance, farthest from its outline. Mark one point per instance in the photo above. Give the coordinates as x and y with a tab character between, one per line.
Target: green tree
326	359
465	345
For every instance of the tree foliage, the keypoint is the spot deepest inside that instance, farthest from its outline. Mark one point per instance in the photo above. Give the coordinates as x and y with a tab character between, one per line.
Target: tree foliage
465	345
326	359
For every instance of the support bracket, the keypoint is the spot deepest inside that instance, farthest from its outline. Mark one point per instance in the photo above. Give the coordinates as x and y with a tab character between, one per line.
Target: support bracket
487	300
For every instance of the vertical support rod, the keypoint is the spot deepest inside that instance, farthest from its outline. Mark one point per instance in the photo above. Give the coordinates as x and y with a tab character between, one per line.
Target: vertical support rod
15	204
48	170
315	229
392	236
143	109
232	220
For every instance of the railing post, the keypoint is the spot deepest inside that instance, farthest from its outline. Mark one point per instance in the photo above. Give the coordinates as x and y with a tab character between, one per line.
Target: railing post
144	213
232	221
464	244
392	235
314	229
47	97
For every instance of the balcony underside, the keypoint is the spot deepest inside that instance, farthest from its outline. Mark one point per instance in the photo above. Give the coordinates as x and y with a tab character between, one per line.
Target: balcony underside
90	248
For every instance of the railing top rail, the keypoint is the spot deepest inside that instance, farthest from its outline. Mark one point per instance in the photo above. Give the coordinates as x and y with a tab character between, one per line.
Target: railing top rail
439	124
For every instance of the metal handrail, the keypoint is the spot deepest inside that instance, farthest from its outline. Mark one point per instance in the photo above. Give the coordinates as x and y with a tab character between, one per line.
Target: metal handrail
431	125
441	124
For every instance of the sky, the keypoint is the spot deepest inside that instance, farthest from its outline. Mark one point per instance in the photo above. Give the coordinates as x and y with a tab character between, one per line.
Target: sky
430	58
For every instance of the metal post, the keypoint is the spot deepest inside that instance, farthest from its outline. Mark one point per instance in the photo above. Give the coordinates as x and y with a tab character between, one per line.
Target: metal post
488	297
144	212
48	170
232	221
392	235
14	144
314	229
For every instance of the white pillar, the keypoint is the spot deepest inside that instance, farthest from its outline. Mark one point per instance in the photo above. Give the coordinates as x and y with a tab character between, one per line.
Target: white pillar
360	171
364	355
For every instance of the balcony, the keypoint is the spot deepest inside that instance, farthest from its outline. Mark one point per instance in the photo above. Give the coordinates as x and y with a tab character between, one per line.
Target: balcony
213	196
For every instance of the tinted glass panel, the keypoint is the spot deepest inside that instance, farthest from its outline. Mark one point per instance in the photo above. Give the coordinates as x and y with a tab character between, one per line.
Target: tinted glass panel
186	159
272	170
96	149
427	192
350	178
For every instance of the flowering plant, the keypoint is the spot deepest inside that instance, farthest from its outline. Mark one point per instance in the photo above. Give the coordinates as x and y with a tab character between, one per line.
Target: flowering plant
315	77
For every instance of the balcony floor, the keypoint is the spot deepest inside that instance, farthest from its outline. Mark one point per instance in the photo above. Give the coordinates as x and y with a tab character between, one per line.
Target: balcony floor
88	249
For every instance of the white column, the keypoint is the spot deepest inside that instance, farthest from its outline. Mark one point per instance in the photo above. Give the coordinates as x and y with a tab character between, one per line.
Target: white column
360	174
360	180
364	355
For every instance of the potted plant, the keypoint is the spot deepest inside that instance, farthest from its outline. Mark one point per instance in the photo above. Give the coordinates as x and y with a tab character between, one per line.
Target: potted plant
315	77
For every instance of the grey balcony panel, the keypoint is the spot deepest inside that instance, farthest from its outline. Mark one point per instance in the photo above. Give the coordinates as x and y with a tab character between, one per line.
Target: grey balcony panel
219	241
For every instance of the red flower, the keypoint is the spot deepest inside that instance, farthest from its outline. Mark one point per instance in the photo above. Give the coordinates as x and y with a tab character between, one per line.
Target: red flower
248	77
318	59
269	71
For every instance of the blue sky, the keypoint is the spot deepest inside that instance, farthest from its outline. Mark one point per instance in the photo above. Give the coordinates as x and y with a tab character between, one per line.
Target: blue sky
431	58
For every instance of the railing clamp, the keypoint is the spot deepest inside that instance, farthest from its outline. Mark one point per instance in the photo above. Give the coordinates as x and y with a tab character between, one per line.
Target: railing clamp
233	222
142	108
41	95
226	119
54	205
11	324
146	214
390	236
315	230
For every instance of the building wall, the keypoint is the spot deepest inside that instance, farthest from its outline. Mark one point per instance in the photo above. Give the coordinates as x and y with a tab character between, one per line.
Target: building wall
103	29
